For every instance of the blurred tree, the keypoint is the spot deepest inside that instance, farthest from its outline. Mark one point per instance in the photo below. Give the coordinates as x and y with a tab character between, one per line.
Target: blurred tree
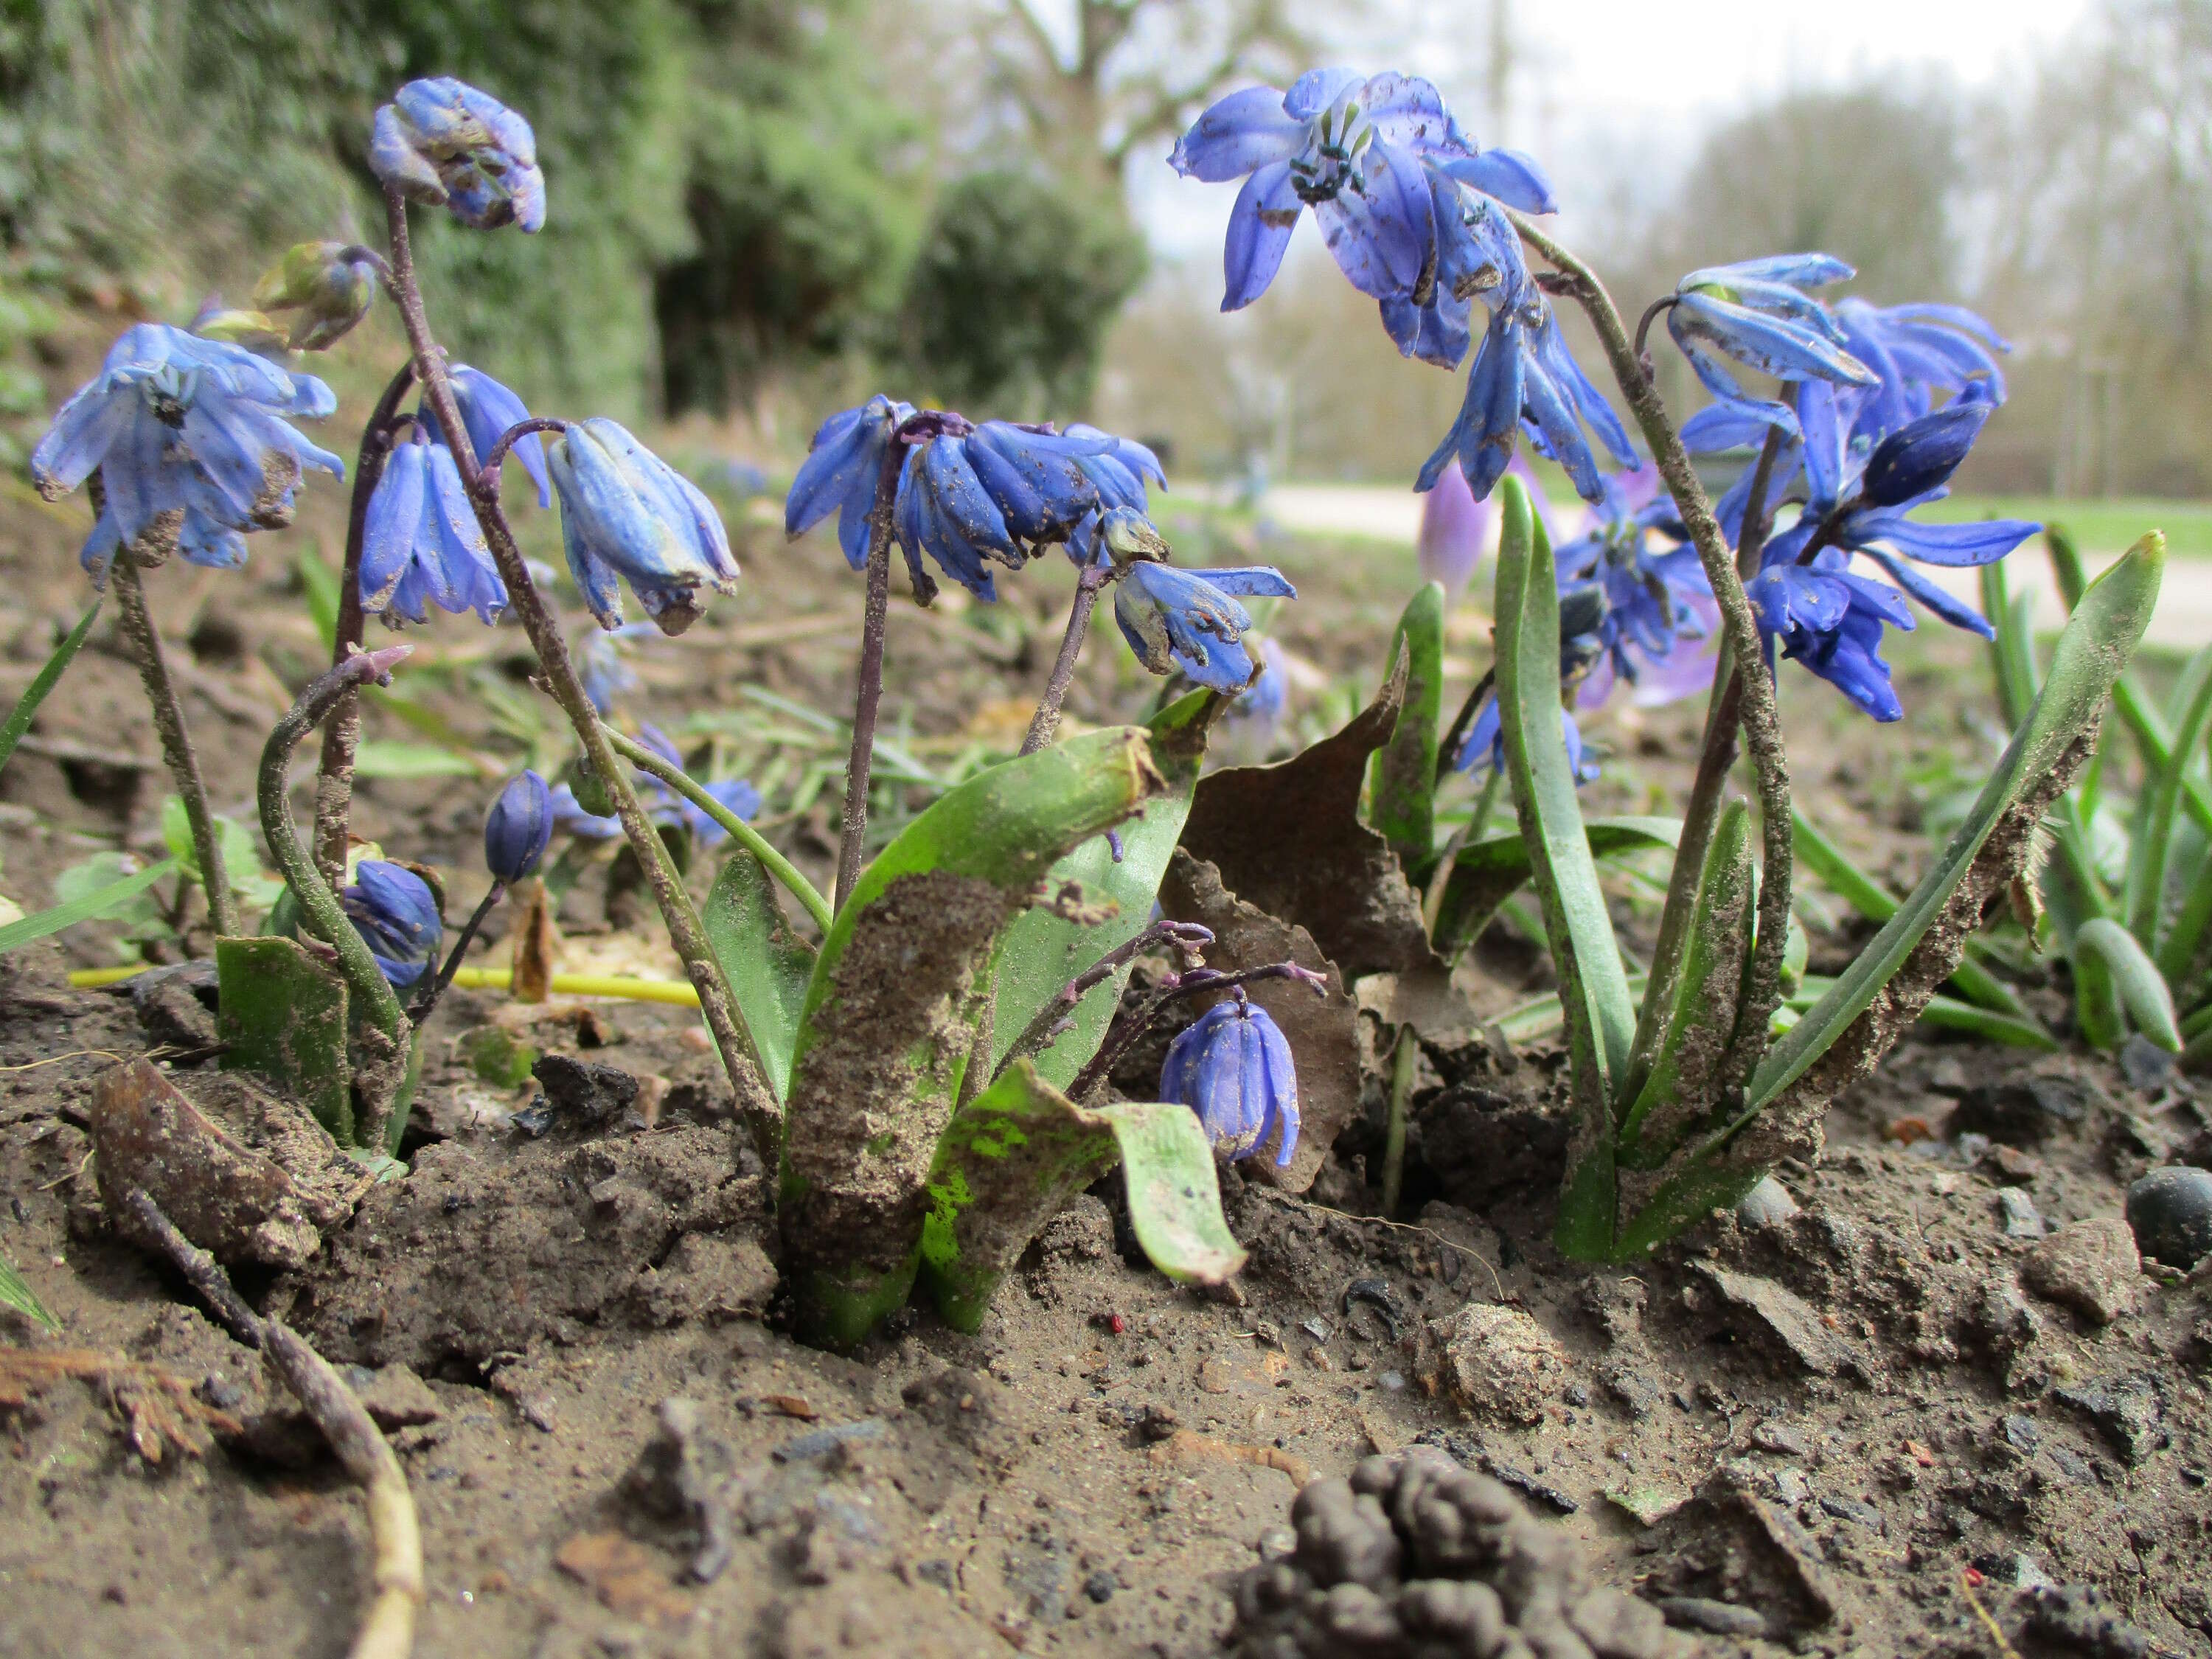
1008	302
1091	79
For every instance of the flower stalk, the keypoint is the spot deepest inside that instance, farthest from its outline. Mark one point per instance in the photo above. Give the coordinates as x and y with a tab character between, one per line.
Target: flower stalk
685	931
868	678
138	625
1758	715
342	732
1044	724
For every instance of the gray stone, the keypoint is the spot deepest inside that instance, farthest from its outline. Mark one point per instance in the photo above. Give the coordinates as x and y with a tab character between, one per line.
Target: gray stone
2126	1408
2090	1267
2017	1214
1788	1316
1767	1204
2170	1213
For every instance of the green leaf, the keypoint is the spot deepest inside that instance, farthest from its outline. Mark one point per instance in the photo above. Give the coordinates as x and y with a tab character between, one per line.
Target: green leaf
2142	989
1402	776
1043	950
2012	653
1708	992
321	583
1489	871
1174	1199
2091	652
282	1014
892	1012
241	854
99	901
1007	1162
26	706
2156	820
1601	1019
386	757
1871	900
16	1294
767	965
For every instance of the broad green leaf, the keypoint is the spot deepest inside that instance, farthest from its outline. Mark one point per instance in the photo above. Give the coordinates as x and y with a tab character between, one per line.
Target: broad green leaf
321	586
1601	1019
1871	900
2157	810
892	1012
2141	988
1174	1199
1943	1014
241	854
1007	1162
1043	950
16	1294
1487	872
26	706
282	1014
1402	776
1708	992
2091	652
99	901
767	965
385	757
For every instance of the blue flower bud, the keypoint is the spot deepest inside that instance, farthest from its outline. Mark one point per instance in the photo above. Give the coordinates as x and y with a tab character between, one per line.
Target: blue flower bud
331	286
1922	456
520	825
625	513
443	143
1232	1066
396	915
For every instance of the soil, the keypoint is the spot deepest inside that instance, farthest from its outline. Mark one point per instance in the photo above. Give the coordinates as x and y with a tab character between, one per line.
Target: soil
1926	1403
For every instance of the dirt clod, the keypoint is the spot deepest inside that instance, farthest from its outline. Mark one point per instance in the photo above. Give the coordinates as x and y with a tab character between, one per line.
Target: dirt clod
2091	1266
1498	1363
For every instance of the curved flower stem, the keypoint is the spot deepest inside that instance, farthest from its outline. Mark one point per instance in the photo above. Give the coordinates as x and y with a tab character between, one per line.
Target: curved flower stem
1761	720
868	678
1044	724
512	435
1652	312
138	625
1187	938
751	838
318	900
342	733
419	1009
685	932
1724	715
395	1540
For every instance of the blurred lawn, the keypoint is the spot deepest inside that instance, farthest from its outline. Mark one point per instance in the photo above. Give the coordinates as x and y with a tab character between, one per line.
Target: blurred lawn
2099	526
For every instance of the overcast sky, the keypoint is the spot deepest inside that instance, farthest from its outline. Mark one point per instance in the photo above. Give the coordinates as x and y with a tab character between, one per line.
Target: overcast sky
1615	87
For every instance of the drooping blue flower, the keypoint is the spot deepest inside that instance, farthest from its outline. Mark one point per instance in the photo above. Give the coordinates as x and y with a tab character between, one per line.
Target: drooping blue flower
420	544
1650	593
1524	375
190	439
1119	471
1921	353
1350	146
662	805
1757	312
627	514
1830	618
841	471
517	829
488	409
1478	256
442	142
396	915
1232	1066
944	511
1175	618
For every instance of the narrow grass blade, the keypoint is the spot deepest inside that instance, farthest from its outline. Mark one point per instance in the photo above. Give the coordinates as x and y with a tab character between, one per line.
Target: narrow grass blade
16	1294
97	903
2012	653
2162	803
2095	646
26	706
1402	777
2142	989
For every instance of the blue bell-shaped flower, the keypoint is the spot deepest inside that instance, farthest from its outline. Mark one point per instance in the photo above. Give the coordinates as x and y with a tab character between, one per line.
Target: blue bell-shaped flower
1232	1066
519	827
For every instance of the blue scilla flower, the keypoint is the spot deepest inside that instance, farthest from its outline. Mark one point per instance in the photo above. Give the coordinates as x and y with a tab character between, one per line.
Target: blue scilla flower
1651	594
517	829
841	471
1352	148
1120	470
420	544
1921	354
396	915
1175	618
1232	1066
662	804
1478	255
190	439
627	514
441	141
1524	375
1757	313
1484	748
488	409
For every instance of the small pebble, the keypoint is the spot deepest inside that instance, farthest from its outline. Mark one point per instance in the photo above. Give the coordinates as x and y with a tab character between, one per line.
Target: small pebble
1767	1204
2170	1210
2017	1214
1100	1585
1714	1618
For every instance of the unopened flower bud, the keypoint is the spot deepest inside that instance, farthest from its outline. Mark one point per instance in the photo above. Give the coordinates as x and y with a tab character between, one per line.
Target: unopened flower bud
519	826
330	284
